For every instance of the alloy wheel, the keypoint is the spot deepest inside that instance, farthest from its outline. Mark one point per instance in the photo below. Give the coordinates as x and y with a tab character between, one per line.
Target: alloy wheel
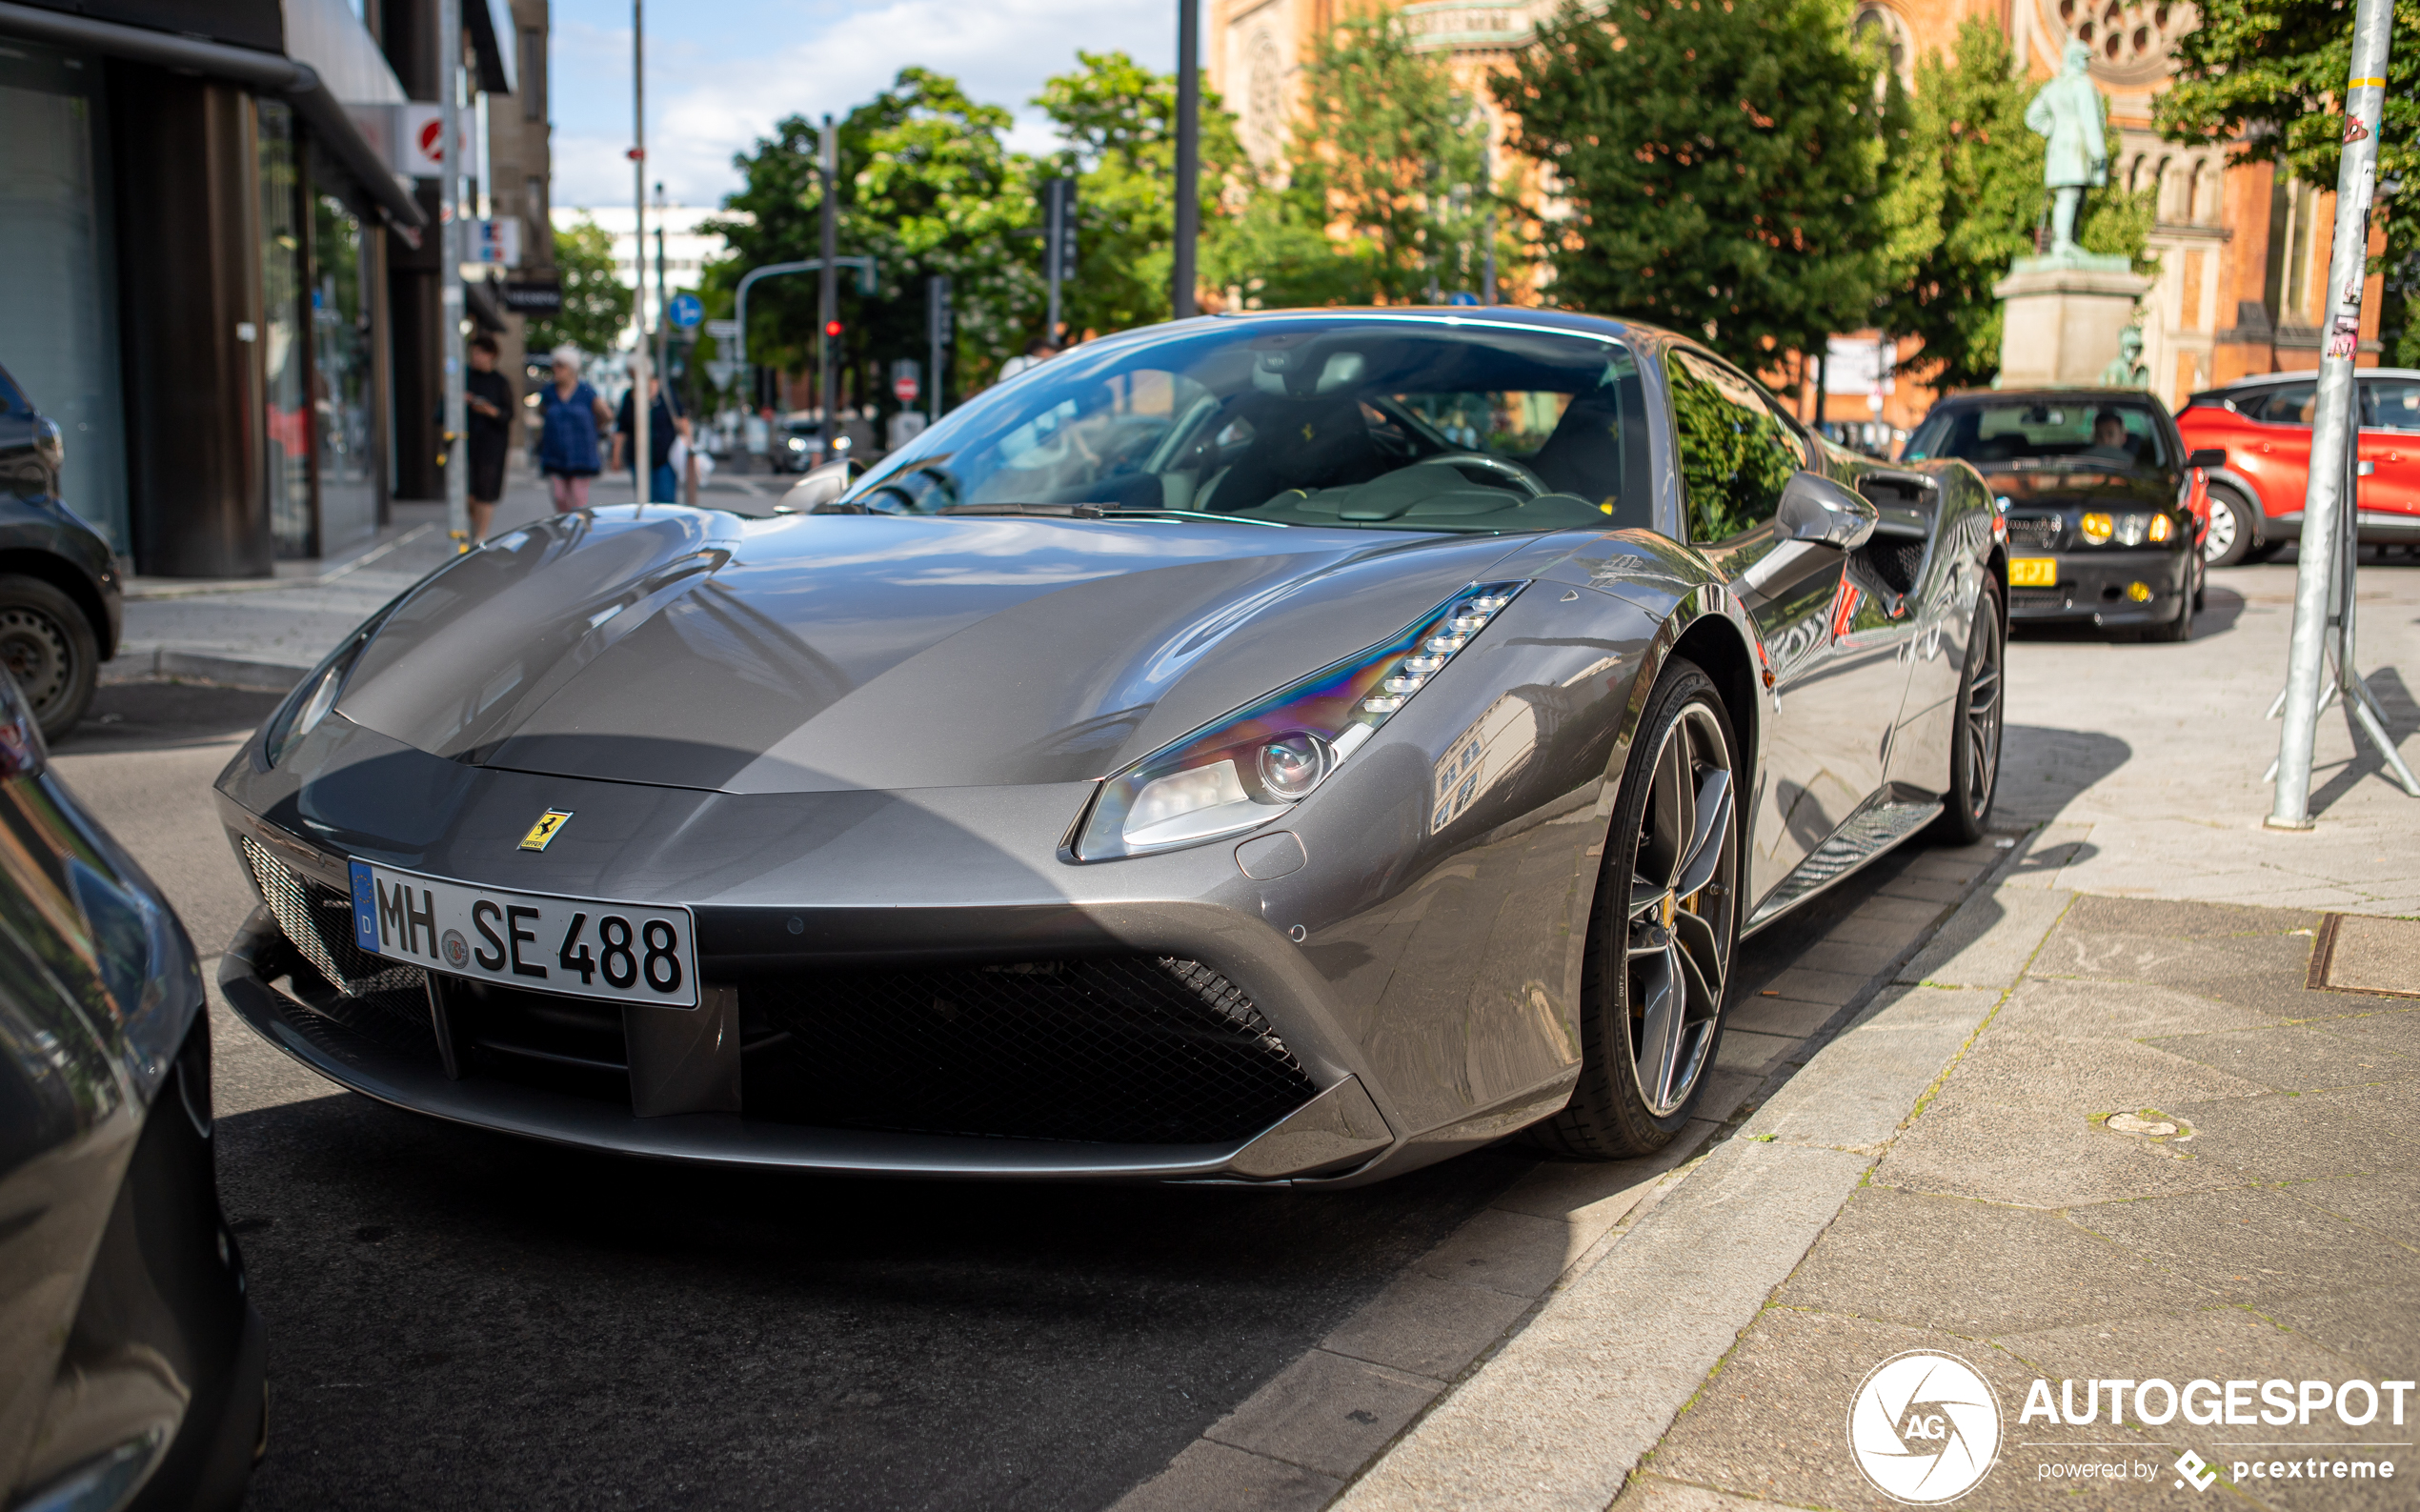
1982	713
2224	527
1679	944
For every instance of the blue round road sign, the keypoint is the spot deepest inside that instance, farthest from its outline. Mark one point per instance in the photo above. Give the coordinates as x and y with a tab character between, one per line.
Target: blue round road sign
685	311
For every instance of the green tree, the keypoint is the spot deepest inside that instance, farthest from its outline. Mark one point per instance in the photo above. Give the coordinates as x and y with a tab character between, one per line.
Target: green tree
2269	76
1726	164
1119	121
925	187
596	304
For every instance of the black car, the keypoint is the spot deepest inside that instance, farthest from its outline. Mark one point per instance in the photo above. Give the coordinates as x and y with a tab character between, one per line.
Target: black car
131	1357
61	602
2095	486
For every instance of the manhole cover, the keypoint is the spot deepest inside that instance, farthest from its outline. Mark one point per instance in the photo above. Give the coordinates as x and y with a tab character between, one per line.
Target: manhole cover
2355	952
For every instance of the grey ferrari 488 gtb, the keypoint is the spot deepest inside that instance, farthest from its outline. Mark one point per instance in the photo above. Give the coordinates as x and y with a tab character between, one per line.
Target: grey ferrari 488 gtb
1290	747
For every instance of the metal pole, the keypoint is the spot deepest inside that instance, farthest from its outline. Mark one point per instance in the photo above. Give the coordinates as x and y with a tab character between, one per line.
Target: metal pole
828	301
457	475
641	448
937	300
1488	269
2332	431
1188	228
1053	228
663	296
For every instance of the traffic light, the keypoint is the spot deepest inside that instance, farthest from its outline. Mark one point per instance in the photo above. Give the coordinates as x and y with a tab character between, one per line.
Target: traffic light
832	330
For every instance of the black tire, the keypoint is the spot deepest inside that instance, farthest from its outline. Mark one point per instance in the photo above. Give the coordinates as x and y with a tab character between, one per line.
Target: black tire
2234	528
1658	959
2180	629
1965	806
2264	551
49	649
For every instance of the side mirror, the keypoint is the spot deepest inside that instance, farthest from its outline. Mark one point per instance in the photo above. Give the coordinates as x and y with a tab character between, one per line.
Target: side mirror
2208	457
819	486
1816	508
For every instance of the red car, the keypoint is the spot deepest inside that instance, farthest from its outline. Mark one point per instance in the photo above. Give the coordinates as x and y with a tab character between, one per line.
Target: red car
2264	426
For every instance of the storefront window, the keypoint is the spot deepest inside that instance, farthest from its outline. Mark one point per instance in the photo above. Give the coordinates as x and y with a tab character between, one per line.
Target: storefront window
58	300
285	358
341	390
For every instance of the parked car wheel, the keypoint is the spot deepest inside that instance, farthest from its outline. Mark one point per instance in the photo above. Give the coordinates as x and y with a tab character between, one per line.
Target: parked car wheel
2180	628
2233	524
1974	744
48	647
1659	938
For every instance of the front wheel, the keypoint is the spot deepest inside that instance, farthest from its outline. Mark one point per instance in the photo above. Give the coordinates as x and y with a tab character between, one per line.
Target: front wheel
49	649
2232	521
1660	937
1974	744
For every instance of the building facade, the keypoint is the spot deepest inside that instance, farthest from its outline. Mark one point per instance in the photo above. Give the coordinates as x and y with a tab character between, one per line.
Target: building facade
218	282
2242	252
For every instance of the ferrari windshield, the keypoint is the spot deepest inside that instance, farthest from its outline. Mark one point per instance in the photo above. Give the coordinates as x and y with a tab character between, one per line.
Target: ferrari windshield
1365	422
2089	430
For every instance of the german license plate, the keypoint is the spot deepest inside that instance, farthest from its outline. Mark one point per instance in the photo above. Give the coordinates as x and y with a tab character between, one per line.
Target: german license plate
2033	572
628	952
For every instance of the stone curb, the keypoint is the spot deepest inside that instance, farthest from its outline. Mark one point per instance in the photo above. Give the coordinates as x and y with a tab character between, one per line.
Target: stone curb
1332	1414
1563	1411
159	663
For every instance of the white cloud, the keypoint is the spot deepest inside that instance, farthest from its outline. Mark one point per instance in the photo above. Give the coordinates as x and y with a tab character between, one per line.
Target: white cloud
722	76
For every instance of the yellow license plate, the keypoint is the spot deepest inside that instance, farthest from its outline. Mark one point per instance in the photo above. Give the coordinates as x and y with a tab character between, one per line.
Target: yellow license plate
2033	572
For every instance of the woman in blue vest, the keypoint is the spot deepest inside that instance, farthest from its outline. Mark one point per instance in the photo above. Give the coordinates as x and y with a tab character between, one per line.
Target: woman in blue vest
571	416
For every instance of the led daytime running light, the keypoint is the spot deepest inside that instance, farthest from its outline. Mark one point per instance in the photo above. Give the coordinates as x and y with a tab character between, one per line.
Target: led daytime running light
1255	764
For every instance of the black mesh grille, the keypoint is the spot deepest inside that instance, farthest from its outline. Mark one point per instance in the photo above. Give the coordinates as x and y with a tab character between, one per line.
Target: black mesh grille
1897	561
368	993
2039	533
2036	598
1120	1049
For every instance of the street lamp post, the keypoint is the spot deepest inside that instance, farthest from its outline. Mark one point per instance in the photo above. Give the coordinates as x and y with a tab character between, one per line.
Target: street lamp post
1188	229
457	477
828	292
640	449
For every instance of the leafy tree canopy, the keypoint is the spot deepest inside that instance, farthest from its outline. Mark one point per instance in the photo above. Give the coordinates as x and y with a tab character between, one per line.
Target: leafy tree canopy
596	304
1725	164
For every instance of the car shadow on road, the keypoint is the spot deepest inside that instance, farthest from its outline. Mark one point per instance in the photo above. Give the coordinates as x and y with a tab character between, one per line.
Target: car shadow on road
165	716
2042	770
458	1319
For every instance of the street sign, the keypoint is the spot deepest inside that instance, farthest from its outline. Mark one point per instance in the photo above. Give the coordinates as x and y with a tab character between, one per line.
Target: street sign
723	330
419	147
1461	296
494	242
685	311
905	380
533	298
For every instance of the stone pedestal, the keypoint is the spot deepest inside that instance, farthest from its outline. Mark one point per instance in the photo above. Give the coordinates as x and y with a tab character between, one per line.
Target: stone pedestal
2060	318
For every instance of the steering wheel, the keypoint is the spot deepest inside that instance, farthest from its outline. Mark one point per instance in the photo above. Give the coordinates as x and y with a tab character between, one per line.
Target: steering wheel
1519	477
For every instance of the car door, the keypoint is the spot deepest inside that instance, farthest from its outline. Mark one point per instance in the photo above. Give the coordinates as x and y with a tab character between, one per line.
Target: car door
2278	458
2391	443
1837	673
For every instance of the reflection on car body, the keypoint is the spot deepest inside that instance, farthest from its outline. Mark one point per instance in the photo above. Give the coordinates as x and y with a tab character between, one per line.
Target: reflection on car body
1282	748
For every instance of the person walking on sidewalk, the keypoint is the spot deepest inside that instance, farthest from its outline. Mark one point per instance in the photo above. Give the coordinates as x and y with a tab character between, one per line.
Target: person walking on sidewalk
488	400
665	423
571	420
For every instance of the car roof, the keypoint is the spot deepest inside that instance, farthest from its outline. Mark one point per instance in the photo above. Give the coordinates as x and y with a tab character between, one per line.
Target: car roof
2078	394
1464	314
2257	380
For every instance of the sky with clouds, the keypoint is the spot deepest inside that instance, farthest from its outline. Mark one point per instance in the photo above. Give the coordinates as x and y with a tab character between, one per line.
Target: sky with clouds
719	73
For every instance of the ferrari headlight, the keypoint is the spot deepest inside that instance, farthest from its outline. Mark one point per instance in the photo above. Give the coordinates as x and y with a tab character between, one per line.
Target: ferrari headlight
1248	768
317	693
2098	528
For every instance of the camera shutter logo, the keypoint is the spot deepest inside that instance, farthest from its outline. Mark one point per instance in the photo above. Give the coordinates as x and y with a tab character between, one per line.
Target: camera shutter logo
1924	1427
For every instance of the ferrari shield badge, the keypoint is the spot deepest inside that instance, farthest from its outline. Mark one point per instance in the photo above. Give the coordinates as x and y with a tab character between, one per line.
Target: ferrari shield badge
548	825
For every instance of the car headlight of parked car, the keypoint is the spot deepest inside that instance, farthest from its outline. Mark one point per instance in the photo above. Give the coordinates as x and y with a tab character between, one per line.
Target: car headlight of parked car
1253	765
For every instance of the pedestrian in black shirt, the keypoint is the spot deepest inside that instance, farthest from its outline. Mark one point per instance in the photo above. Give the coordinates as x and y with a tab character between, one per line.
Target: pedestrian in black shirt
665	423
488	403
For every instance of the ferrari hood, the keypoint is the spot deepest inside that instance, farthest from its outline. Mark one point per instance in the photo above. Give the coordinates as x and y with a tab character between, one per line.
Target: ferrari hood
694	649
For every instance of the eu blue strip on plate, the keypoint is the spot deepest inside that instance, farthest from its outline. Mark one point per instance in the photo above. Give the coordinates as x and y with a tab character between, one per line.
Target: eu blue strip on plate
364	908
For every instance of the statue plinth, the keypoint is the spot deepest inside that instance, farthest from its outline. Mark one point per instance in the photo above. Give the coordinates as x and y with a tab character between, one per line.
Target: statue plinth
2061	316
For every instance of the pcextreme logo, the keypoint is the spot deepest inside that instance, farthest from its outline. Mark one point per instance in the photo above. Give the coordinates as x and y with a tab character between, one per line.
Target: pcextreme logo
1924	1427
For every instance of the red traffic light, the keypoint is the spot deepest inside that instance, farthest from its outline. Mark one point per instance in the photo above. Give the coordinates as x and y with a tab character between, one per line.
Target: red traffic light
831	329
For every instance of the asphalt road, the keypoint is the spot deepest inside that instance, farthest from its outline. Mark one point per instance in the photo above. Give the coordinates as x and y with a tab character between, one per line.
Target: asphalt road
461	1321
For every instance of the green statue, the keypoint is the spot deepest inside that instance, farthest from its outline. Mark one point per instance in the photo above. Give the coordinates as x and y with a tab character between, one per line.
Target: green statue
2127	370
2067	111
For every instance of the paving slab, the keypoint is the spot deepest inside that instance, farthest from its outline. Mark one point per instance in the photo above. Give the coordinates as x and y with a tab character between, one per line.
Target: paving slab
2291	1058
2253	1246
2035	1154
2284	1138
